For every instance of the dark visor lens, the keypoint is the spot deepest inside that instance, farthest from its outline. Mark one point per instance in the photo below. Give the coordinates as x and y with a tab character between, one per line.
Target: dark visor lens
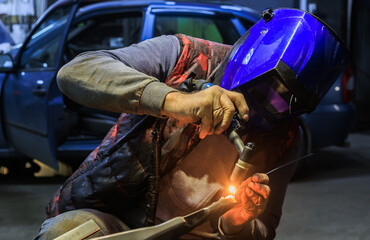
273	96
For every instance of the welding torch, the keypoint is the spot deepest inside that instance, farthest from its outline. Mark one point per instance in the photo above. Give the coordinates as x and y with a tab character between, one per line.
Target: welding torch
242	166
245	151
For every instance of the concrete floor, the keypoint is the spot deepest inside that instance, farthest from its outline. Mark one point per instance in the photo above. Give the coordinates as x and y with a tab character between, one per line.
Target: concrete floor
330	201
22	206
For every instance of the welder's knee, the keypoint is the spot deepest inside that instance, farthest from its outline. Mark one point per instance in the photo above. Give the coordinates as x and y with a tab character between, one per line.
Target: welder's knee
87	222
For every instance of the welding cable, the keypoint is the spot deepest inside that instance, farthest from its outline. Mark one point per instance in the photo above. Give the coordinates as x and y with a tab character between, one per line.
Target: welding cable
155	160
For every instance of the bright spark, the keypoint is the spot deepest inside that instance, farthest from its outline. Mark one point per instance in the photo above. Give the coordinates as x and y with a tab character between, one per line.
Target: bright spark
232	189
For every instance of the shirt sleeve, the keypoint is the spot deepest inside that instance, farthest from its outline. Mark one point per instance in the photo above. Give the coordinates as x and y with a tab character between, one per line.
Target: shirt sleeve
264	226
123	80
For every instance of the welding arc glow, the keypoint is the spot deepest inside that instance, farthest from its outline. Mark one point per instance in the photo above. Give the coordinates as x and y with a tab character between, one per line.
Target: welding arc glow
232	189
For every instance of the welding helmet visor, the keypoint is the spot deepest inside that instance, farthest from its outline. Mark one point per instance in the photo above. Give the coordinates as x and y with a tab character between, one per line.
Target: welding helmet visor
284	64
272	95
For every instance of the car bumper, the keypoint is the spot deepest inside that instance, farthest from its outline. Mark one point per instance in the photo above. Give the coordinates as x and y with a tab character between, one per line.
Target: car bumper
330	124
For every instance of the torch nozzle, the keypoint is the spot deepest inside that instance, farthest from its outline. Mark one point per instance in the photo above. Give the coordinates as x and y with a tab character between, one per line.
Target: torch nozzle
242	166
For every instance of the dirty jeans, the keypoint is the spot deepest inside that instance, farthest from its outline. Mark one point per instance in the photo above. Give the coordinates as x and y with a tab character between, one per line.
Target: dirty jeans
56	226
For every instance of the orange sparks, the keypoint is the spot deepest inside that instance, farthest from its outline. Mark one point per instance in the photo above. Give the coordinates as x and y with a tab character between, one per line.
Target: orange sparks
230	196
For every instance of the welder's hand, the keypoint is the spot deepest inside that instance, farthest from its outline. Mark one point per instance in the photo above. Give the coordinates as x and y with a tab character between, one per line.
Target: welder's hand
213	108
252	197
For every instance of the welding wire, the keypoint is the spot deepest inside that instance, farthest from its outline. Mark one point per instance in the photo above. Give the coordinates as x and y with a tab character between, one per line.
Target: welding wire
288	163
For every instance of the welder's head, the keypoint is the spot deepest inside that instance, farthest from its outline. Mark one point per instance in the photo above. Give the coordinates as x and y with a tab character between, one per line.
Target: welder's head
284	64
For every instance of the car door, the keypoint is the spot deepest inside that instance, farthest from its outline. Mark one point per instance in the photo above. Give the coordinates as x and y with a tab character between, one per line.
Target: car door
32	103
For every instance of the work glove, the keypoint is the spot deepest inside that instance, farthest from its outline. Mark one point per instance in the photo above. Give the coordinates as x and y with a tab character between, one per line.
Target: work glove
212	108
252	197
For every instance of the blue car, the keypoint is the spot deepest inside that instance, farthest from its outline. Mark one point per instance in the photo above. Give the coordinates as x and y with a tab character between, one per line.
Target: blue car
38	122
6	40
334	117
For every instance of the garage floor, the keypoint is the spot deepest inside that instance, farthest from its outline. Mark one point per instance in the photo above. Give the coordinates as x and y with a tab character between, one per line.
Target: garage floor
330	201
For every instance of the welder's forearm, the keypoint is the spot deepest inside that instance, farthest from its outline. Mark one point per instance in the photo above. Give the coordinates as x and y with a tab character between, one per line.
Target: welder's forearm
99	81
153	97
231	229
254	229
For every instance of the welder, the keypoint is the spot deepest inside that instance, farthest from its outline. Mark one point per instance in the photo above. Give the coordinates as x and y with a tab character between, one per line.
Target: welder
167	155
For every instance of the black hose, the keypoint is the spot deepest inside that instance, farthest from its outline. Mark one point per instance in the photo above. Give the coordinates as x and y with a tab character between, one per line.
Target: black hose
153	189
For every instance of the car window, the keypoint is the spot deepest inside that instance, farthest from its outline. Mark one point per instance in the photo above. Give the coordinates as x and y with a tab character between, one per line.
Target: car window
41	50
217	29
104	32
247	24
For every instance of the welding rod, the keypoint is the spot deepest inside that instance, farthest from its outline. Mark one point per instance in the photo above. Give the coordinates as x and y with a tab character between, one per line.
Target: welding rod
288	163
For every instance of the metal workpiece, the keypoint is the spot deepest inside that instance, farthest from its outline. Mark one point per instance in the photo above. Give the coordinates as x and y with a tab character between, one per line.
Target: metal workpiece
174	228
81	232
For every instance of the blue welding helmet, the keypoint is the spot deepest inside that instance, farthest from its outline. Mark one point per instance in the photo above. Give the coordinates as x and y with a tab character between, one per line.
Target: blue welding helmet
284	64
